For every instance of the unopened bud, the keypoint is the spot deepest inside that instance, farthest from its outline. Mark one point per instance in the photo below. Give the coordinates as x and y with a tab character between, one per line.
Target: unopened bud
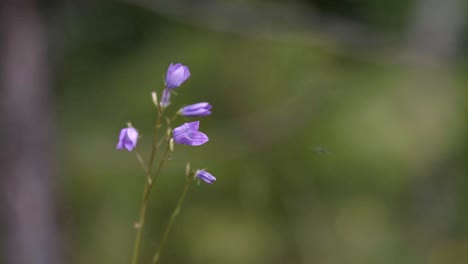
154	96
171	145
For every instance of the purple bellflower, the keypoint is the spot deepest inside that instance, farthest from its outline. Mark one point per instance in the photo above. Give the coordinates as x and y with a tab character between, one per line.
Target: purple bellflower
188	134
128	138
205	176
176	75
198	109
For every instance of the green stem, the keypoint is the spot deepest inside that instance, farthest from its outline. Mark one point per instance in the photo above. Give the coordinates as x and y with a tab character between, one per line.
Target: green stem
148	187
142	163
176	211
144	205
155	141
141	221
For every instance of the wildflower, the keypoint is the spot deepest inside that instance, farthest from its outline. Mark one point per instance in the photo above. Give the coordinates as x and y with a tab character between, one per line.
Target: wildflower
176	75
128	138
188	134
205	176
198	109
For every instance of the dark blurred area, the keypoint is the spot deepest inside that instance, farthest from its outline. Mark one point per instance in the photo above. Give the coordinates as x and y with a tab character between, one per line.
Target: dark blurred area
338	132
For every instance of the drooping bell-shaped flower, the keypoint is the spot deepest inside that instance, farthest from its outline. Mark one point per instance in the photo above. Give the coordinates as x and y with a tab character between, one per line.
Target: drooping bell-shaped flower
128	138
188	134
205	176
176	75
198	109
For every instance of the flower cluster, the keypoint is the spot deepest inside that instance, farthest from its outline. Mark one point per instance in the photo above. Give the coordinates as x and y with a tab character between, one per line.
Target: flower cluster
185	134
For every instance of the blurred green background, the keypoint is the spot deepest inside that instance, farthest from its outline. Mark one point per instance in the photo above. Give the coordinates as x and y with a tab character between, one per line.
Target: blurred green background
335	138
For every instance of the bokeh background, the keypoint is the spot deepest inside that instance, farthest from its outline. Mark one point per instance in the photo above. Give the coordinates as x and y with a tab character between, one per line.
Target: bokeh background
338	132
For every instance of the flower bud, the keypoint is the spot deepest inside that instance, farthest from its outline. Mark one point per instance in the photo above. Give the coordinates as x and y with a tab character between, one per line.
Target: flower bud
198	109
205	176
166	95
171	145
154	96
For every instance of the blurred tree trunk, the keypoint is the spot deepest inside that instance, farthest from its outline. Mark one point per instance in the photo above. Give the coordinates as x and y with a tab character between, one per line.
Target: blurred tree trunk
433	38
434	30
27	158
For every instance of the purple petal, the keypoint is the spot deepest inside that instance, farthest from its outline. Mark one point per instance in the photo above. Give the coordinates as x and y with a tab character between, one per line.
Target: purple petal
123	132
179	131
197	138
188	134
166	95
205	176
129	146
191	138
194	125
120	145
128	138
196	106
176	75
132	135
198	109
181	139
198	112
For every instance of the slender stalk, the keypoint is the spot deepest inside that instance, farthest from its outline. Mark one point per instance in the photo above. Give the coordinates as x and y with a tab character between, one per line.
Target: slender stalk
144	205
173	118
155	141
142	163
161	141
148	187
150	181
161	163
174	214
141	222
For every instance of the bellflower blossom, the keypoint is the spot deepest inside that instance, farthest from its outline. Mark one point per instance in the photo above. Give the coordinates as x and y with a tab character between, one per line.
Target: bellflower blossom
188	134
205	176
198	109
128	138
176	75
